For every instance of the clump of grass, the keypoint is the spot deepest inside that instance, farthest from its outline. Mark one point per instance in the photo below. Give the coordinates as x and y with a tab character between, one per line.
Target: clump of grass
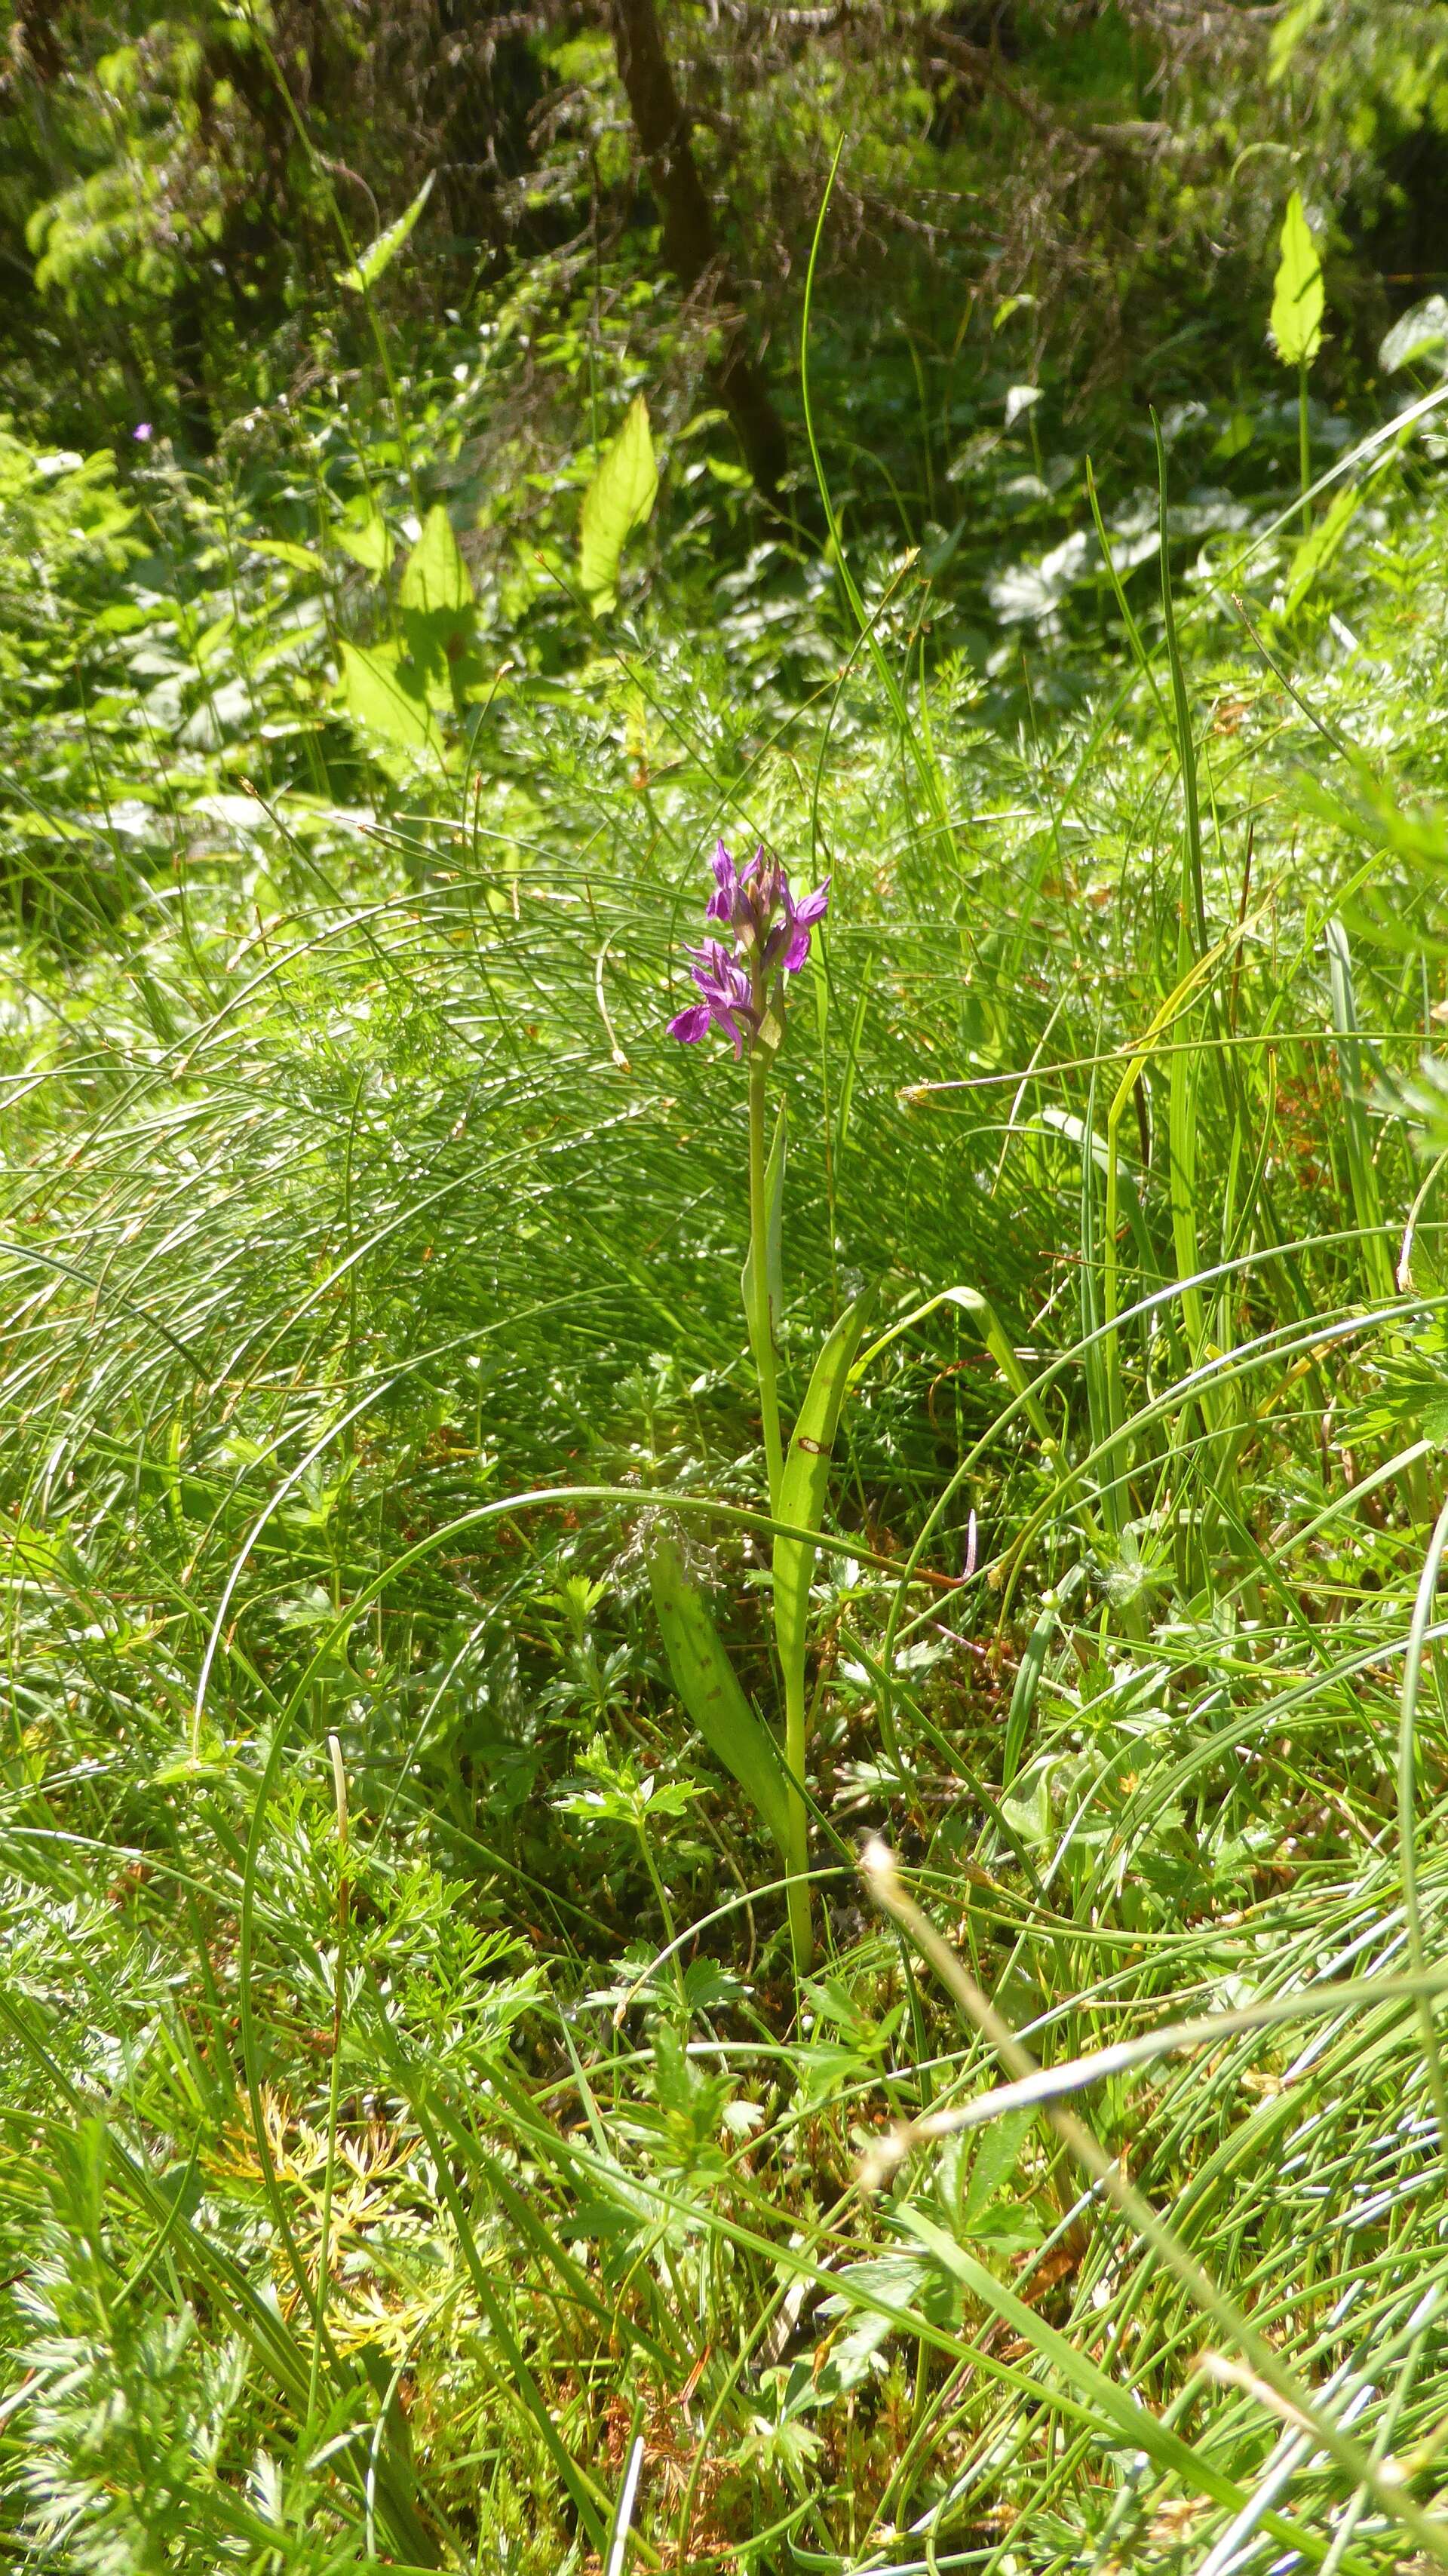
477	2187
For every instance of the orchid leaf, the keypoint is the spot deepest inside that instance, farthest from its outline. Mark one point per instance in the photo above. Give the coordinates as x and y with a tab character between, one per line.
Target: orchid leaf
365	272
709	1686
281	550
1418	334
805	1482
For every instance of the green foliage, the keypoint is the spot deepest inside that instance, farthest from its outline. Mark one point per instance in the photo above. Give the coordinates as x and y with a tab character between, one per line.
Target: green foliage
619	499
1297	294
376	1405
363	273
354	1195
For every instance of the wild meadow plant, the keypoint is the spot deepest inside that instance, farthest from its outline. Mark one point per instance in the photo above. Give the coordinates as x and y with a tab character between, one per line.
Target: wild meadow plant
742	995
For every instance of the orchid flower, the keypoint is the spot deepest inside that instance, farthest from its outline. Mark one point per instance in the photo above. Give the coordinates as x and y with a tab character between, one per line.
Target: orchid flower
740	977
728	999
771	930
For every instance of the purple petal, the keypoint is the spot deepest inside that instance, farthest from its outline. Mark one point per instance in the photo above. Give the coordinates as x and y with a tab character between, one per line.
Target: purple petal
691	1024
726	887
797	951
812	907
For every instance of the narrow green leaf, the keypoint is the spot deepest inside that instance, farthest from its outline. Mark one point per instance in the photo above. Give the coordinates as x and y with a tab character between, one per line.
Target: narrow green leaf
1357	1135
992	1332
709	1686
378	698
618	500
774	1229
1297	299
1317	549
852	1059
1024	1695
805	1482
364	272
1110	2402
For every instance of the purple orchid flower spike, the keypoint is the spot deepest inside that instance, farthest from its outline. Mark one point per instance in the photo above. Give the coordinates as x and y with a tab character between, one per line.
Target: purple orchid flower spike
728	999
771	939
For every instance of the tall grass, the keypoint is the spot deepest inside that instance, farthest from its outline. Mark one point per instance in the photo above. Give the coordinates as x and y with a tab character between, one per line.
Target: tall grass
417	2151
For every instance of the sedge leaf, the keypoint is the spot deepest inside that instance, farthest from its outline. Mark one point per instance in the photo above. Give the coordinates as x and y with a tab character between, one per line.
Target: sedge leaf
1296	323
617	501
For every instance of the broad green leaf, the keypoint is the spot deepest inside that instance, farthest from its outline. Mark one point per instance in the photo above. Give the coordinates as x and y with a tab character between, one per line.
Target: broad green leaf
803	1485
994	2164
1418	334
368	541
435	575
774	1229
379	699
280	549
617	501
364	272
709	1686
1296	323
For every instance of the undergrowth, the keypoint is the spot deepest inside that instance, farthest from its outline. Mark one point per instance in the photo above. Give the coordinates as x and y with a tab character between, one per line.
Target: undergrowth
418	2151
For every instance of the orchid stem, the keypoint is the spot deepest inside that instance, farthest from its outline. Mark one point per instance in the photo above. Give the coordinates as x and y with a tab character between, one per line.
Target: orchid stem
801	1925
761	1322
761	1335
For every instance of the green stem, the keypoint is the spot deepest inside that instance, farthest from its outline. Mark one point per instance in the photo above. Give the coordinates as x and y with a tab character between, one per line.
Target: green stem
334	2095
761	1336
666	1911
801	1927
1304	459
761	1323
